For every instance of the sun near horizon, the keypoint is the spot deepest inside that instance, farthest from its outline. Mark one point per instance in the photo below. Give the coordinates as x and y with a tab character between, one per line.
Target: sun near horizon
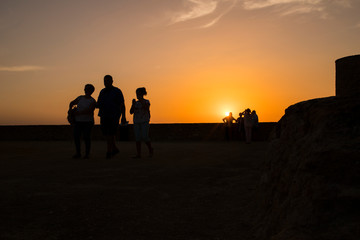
197	59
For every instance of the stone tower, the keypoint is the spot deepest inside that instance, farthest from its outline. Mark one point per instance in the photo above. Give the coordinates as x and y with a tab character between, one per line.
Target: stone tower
348	76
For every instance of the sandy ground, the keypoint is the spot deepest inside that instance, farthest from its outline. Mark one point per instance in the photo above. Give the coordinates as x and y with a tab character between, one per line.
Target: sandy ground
188	190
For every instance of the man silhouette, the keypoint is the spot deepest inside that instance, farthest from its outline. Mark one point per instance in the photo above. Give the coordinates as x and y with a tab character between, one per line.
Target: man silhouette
111	106
228	120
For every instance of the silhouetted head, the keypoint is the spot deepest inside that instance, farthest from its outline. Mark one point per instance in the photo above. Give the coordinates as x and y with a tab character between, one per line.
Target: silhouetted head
230	114
247	110
89	89
141	92
253	112
108	81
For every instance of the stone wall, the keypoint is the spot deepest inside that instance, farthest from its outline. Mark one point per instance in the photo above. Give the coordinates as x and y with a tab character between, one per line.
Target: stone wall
348	76
158	132
310	187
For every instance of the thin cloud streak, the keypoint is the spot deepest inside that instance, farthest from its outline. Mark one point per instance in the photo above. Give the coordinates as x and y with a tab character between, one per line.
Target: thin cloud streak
256	4
303	10
199	8
213	10
203	8
213	22
21	68
291	7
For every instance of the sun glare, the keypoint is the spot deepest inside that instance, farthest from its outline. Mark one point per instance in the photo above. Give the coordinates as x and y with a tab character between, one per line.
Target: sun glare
227	113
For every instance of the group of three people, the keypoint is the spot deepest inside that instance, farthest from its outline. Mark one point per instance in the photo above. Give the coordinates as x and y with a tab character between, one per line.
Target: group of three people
247	121
111	107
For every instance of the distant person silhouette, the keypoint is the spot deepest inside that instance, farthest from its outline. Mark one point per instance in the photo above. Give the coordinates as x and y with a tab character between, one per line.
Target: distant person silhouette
111	106
84	119
228	120
141	110
240	123
255	118
248	124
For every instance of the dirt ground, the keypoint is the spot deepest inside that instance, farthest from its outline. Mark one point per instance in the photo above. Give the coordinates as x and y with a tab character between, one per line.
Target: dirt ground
188	190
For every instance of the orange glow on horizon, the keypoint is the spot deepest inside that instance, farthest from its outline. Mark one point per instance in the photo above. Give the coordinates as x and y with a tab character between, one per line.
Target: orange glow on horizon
194	71
202	97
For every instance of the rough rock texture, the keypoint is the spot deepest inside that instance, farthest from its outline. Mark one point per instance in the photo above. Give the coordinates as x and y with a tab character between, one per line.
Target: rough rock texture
310	188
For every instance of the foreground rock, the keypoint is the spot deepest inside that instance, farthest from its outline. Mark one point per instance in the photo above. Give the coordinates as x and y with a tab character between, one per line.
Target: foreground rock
310	188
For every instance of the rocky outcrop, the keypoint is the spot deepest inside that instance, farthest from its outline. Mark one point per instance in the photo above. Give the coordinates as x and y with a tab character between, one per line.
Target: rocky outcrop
310	187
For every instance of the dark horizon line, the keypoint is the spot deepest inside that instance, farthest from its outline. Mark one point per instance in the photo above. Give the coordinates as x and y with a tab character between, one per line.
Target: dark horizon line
97	124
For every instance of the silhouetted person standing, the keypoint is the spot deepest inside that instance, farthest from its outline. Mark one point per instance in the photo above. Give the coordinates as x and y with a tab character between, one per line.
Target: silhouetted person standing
228	120
240	123
248	124
111	106
255	121
84	119
254	118
141	111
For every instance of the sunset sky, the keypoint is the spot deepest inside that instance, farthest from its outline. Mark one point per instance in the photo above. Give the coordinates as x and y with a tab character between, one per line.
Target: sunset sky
197	58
